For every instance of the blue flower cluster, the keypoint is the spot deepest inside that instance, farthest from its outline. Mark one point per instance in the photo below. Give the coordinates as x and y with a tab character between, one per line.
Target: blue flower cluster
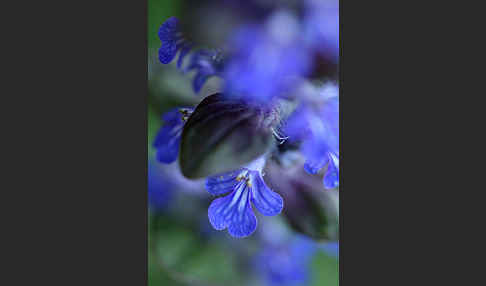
265	63
205	62
316	124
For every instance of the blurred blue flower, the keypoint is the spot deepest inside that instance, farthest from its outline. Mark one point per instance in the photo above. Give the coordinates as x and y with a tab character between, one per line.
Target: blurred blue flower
168	138
287	263
205	62
321	25
265	59
316	123
234	210
159	189
172	41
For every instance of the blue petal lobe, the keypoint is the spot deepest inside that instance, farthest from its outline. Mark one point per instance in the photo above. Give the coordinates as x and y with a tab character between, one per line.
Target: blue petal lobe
168	153
243	224
221	184
199	81
167	53
184	50
168	34
234	211
169	136
265	200
331	179
313	165
168	30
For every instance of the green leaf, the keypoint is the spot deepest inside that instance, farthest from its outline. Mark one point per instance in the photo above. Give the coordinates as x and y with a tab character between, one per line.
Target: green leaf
325	270
222	135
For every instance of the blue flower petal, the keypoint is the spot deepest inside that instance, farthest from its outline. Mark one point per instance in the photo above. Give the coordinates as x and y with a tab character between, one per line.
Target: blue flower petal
243	224
206	63
199	81
234	211
265	200
313	165
221	184
331	179
168	30
172	116
168	34
167	53
184	50
168	153
169	136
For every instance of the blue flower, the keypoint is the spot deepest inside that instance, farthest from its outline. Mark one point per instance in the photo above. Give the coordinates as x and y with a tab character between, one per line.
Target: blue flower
265	60
206	63
168	138
319	156
172	41
316	124
321	24
234	211
287	263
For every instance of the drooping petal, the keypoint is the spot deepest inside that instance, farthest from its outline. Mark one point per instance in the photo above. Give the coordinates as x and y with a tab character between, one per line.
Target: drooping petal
167	53
199	80
221	184
313	165
323	138
168	146
244	223
184	50
173	116
169	136
168	30
168	34
234	212
331	179
265	200
206	63
316	152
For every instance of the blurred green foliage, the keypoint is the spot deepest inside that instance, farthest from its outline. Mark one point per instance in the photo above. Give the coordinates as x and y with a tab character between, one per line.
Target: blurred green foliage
325	270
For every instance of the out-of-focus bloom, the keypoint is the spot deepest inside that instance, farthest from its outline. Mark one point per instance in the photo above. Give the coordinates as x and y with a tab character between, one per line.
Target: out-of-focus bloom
316	123
265	60
234	211
168	138
287	263
205	62
321	25
159	189
172	41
